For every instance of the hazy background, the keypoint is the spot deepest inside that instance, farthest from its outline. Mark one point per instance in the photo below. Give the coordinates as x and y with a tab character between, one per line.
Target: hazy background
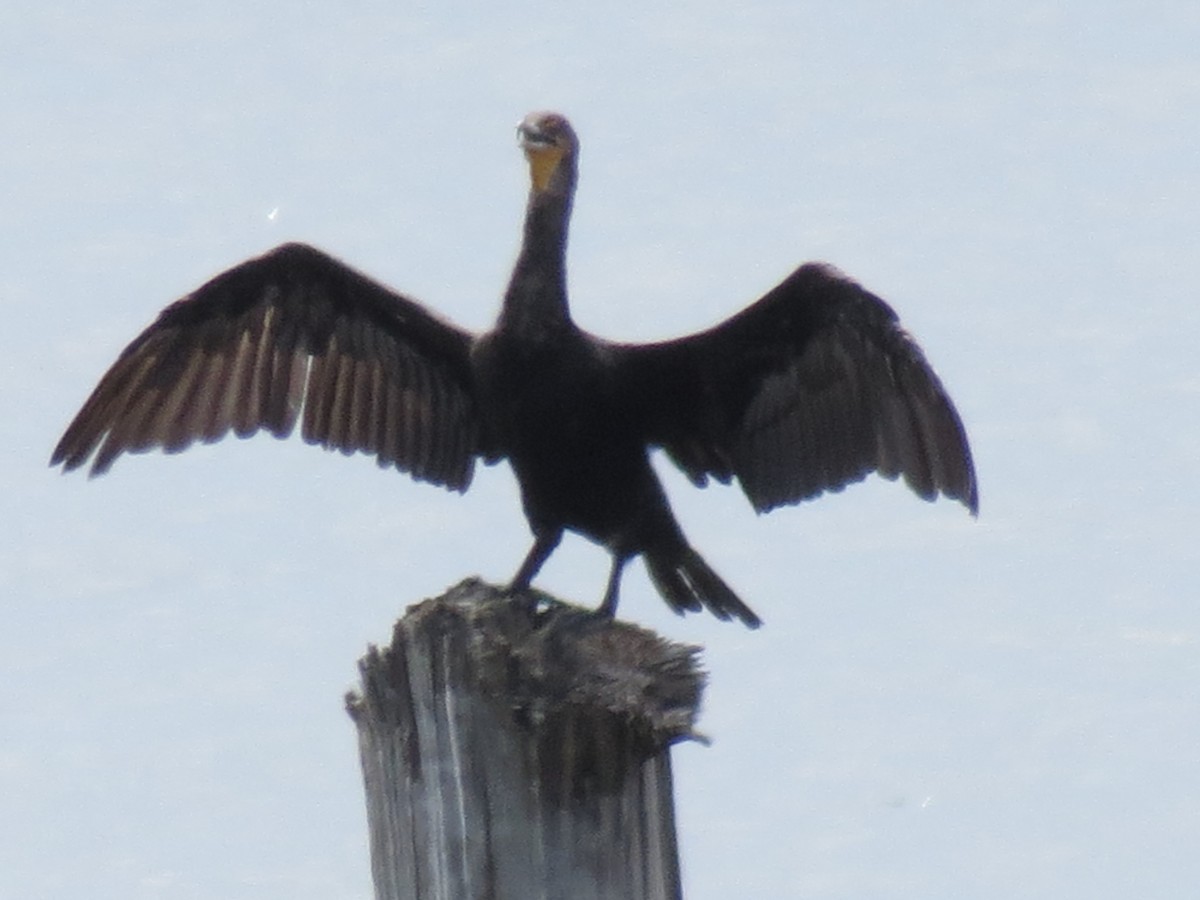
936	708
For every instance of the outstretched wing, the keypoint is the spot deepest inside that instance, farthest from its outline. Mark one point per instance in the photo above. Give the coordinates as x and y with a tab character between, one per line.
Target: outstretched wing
293	330
809	389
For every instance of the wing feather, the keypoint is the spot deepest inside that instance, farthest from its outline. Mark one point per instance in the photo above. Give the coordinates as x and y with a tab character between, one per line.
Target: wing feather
372	394
293	333
420	398
809	389
176	434
288	377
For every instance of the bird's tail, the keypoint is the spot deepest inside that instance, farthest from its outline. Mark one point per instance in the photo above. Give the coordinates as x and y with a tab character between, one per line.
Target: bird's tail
687	582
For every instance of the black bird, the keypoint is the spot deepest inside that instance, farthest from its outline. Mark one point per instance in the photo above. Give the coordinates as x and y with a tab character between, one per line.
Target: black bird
810	388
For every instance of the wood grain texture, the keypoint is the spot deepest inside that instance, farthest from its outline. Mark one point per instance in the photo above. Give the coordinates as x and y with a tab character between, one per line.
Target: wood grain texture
514	754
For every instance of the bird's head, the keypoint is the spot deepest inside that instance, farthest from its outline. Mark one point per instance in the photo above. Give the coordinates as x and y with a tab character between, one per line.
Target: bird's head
550	146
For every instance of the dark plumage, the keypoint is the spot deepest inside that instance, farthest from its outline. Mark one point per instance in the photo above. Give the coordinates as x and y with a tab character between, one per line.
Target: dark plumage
810	388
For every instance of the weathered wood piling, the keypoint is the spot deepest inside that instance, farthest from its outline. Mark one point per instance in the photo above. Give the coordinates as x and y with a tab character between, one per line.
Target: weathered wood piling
514	750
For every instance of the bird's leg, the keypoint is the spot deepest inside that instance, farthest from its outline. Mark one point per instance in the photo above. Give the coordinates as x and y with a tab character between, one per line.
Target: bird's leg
543	545
608	606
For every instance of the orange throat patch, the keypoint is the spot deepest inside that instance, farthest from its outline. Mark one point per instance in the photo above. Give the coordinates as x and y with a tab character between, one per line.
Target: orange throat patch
542	163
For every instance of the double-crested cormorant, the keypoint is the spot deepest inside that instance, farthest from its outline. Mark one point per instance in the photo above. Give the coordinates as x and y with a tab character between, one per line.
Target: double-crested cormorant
812	387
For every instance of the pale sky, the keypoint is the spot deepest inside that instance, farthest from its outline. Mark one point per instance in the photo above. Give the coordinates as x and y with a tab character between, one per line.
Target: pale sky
936	707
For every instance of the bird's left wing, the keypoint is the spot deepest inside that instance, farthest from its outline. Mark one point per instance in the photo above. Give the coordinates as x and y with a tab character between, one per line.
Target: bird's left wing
291	330
811	388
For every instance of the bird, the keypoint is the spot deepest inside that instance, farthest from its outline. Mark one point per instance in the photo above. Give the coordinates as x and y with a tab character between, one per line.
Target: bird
812	387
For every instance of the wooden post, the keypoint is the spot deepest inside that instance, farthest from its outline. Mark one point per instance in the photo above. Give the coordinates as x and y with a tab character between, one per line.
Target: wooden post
514	755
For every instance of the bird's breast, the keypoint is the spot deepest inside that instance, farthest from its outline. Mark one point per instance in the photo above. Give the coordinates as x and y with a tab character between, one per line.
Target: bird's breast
555	411
553	407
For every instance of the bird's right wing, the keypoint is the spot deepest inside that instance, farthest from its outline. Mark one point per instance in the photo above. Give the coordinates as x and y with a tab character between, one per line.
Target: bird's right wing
292	330
807	390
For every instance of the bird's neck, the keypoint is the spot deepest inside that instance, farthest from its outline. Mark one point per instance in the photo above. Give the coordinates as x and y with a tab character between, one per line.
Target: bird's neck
536	299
